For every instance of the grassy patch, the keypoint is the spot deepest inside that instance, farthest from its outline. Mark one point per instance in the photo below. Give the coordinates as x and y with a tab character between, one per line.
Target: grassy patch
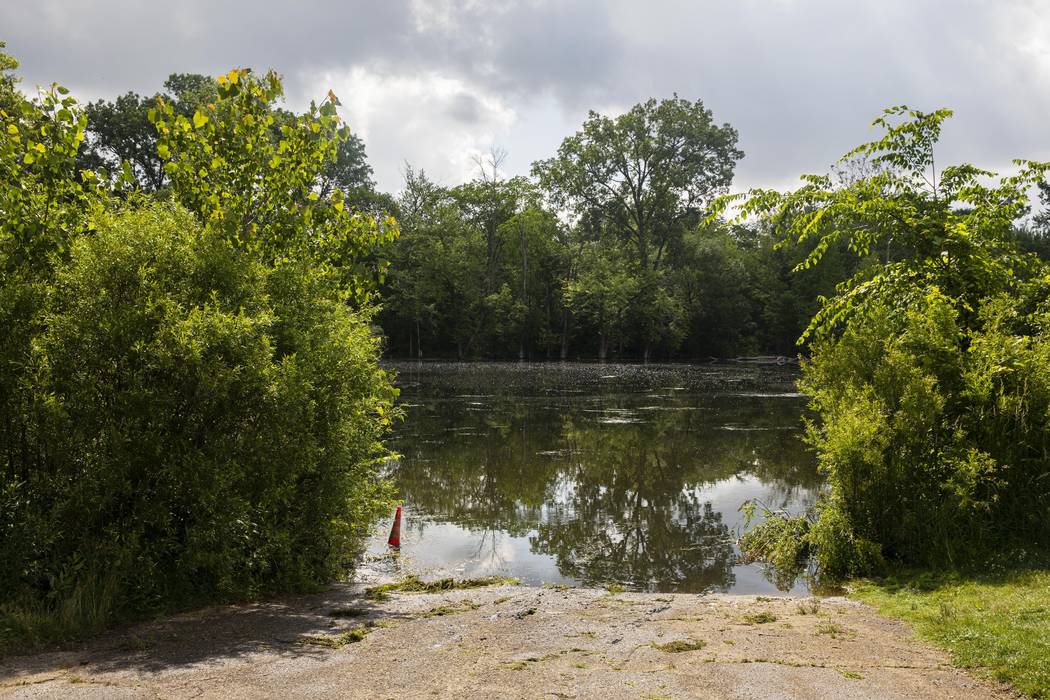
761	618
1000	626
680	645
351	636
414	584
830	629
451	609
615	588
808	607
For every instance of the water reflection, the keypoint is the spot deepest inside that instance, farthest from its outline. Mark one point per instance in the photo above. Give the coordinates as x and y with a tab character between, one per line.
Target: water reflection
578	477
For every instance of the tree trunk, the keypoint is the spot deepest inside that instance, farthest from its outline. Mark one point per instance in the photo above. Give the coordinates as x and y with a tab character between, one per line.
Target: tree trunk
602	346
565	334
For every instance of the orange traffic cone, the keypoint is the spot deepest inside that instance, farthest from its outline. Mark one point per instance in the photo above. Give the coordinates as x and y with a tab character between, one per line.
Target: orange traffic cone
395	531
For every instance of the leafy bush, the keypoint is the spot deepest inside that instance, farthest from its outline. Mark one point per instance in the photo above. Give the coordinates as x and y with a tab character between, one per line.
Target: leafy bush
192	407
929	371
213	423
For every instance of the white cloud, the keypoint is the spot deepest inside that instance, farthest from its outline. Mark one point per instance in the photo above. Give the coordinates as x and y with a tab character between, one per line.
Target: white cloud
436	122
435	82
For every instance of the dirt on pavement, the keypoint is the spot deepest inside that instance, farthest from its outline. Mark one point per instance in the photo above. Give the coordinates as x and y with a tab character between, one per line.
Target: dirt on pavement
505	642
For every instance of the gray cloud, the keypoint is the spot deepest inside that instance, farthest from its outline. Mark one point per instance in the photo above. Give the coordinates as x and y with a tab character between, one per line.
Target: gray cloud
799	79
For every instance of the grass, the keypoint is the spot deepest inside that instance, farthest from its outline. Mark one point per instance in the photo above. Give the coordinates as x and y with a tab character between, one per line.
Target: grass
998	626
30	625
831	629
451	609
761	618
808	607
680	645
351	636
414	584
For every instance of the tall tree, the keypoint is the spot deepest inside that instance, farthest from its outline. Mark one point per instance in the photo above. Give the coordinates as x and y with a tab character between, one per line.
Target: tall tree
647	174
643	178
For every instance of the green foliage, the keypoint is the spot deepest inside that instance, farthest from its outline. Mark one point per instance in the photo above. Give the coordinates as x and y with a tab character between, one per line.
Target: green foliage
780	540
191	405
647	173
218	419
604	254
928	369
9	95
121	141
250	174
602	292
414	584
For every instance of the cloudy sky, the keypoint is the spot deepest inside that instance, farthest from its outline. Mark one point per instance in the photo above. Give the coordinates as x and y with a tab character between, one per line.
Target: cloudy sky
434	82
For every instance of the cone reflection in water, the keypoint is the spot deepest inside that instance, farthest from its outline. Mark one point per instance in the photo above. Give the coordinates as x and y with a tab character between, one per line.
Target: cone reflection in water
395	531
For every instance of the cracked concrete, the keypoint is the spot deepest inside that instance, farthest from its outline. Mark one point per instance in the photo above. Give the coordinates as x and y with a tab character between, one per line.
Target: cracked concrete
505	642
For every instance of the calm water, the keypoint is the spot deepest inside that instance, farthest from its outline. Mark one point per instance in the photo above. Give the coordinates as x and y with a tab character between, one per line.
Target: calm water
594	474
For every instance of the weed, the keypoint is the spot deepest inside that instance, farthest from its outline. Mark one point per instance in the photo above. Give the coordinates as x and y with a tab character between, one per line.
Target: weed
557	586
414	584
808	607
830	629
451	609
351	636
761	618
680	645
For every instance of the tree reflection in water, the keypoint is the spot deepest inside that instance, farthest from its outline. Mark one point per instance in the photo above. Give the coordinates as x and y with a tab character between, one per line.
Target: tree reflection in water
615	487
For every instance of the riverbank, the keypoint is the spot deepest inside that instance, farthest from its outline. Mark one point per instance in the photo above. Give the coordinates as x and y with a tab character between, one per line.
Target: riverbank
506	641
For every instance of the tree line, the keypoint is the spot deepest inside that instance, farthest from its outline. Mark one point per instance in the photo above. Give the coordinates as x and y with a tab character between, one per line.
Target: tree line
605	250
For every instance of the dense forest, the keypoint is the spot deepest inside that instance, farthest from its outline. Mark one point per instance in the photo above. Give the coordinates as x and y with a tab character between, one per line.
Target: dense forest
606	251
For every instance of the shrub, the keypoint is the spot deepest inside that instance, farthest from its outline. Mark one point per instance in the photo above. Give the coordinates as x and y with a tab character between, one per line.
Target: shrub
209	426
929	368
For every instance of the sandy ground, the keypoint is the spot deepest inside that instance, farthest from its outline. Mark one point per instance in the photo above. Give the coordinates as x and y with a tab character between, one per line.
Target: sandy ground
505	642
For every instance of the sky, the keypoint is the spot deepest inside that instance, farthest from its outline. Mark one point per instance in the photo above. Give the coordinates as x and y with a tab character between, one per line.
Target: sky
435	83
